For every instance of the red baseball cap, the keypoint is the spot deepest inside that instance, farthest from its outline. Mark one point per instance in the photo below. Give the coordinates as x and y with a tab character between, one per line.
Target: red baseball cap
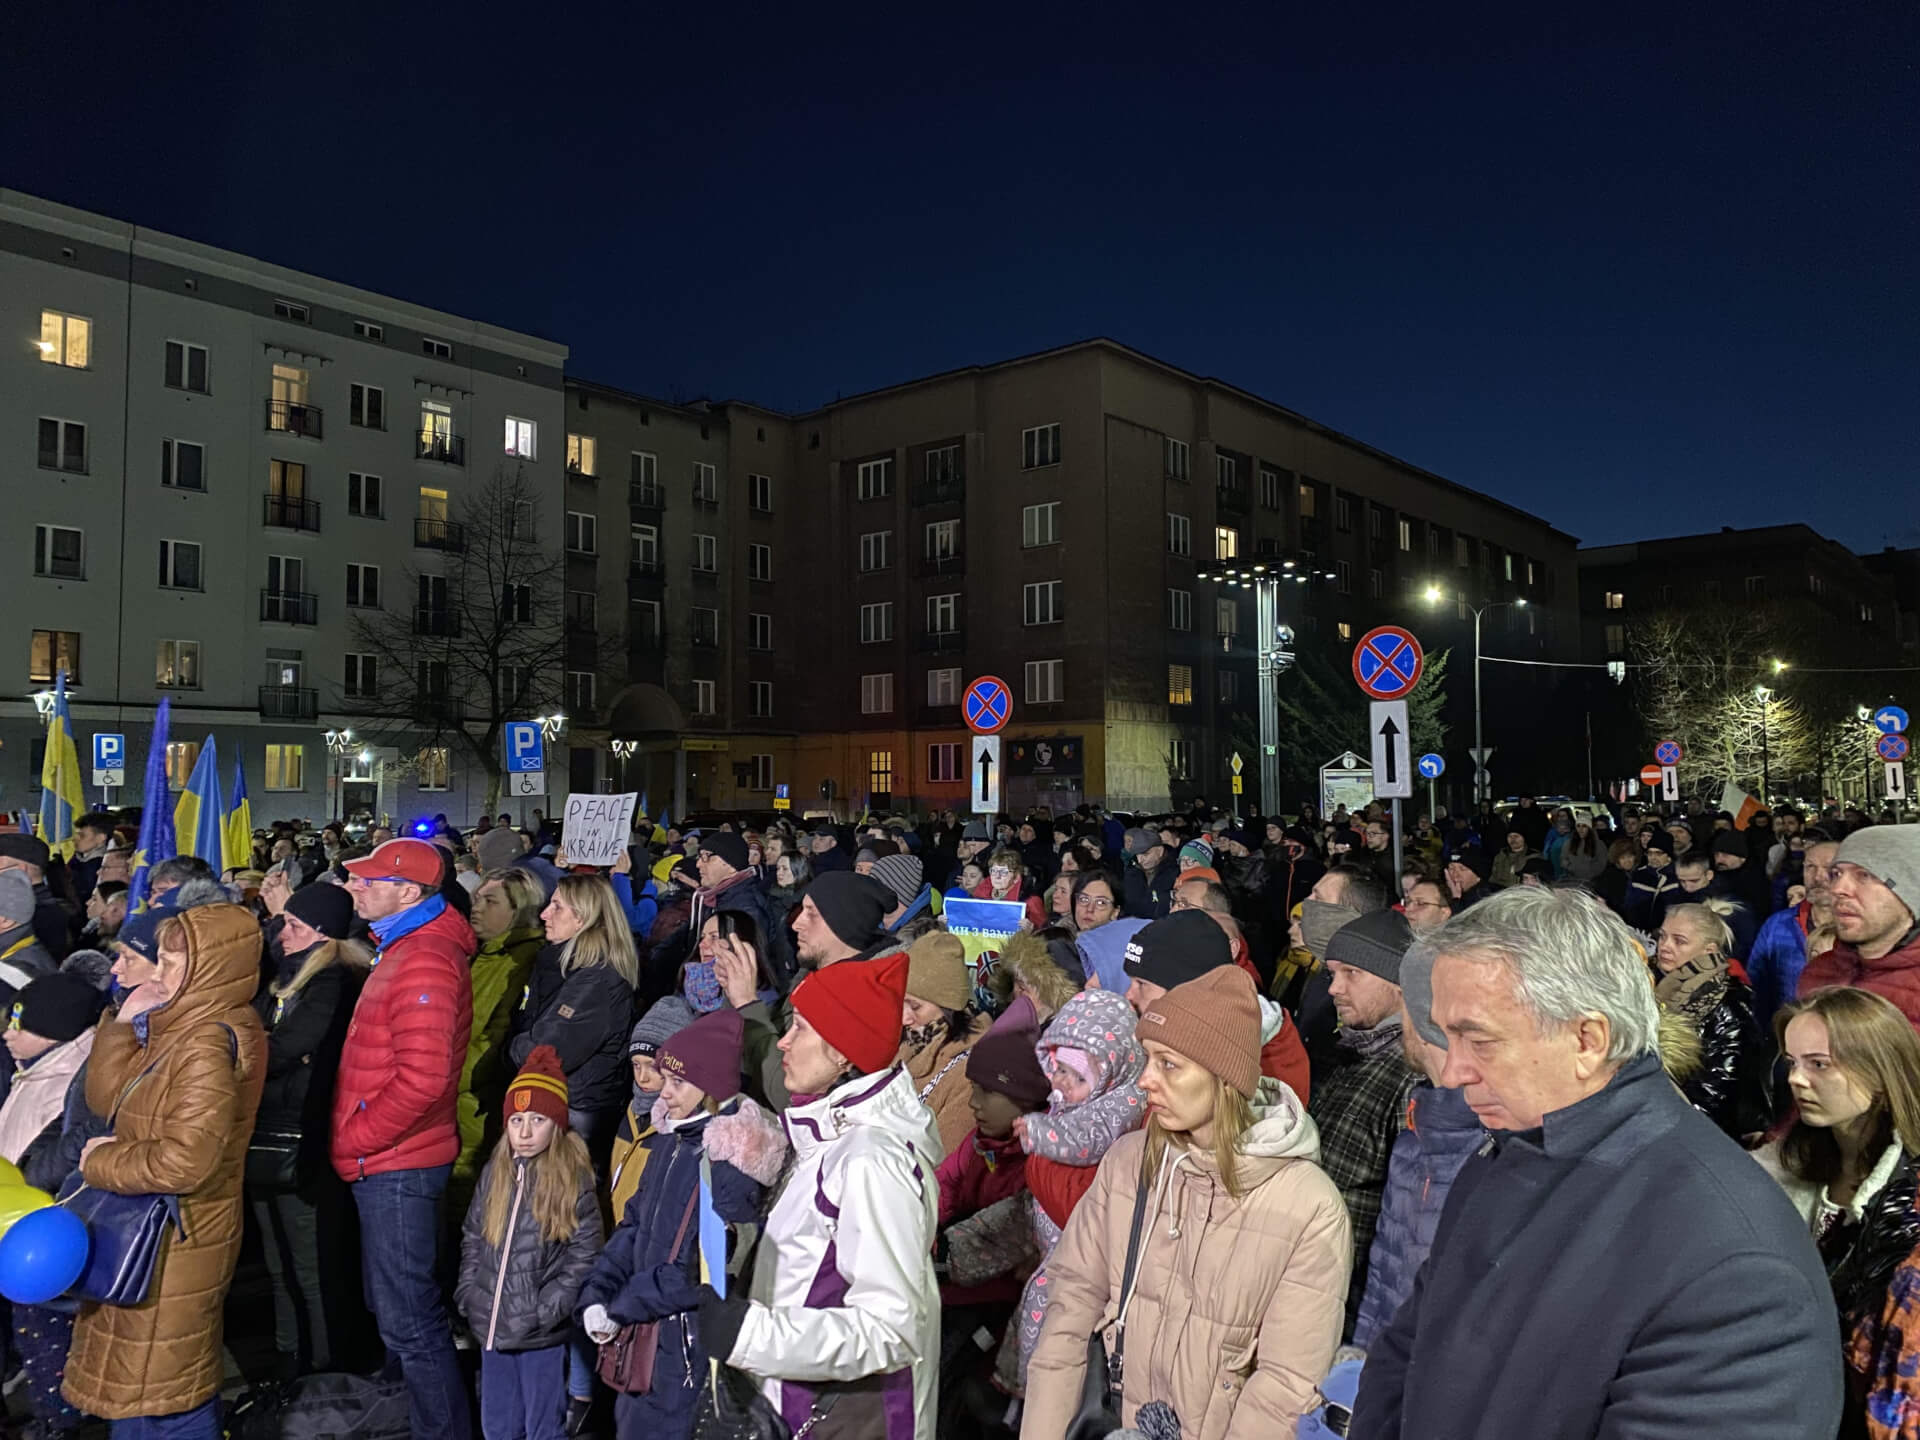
413	860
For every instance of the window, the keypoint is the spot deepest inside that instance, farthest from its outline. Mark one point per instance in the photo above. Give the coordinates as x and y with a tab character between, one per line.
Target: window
1815	585
1343	514
289	398
1377	584
1226	543
1376	521
1226	472
643	479
760	702
176	664
1178	461
1460	610
760	492
368	330
643	547
434	768
50	651
362	675
1226	617
706	484
1040	524
292	310
583	533
181	757
187	367
179	565
516	604
874	479
65	340
58	552
1711	588
1616	639
1507	565
363	586
1271	488
876	623
943	466
943	614
643	623
1046	681
580	692
438	349
943	763
1433	543
367	407
520	438
1043	602
1344	630
1229	685
63	445
876	694
1179	534
521	526
1530	572
1344	572
874	546
706	626
703	697
1756	587
1462	551
1866	614
942	540
1040	446
436	432
287	767
1180	759
1179	609
583	611
759	631
1179	684
706	554
183	465
1406	535
943	687
580	452
880	772
364	495
285	574
1308	502
1616	600
759	562
760	772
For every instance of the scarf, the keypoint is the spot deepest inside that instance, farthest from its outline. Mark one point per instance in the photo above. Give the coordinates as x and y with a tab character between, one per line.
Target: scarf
1318	920
701	987
1695	989
705	899
1375	1041
389	928
917	1037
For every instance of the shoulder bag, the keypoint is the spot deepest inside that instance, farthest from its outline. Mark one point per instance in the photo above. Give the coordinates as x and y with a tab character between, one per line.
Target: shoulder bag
625	1363
1099	1412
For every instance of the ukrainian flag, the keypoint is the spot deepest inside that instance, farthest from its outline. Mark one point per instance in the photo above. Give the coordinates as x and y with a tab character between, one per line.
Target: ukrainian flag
199	819
61	795
156	841
238	836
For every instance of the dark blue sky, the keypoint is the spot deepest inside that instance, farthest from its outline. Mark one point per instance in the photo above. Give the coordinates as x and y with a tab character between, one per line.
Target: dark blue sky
1643	275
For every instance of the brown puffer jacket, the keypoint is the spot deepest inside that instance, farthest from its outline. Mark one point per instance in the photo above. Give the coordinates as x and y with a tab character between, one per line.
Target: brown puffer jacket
186	1107
1237	1303
939	1072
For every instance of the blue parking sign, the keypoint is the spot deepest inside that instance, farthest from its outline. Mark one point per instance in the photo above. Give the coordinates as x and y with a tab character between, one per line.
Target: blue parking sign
526	751
109	752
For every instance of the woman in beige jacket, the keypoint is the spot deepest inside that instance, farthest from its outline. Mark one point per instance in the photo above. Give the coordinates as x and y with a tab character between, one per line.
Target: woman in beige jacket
1240	1288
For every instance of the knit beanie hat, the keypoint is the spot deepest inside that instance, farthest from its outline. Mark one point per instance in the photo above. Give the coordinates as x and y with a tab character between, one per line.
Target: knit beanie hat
1375	943
901	875
141	933
706	1054
937	971
1660	840
1891	854
58	1007
540	1087
1196	852
1003	1059
855	1006
1177	948
1416	988
1730	842
16	898
1215	1022
93	966
663	1020
727	846
327	908
1474	858
852	904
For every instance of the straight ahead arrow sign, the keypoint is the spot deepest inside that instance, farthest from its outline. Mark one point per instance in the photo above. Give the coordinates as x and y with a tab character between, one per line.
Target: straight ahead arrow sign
1387	731
1392	750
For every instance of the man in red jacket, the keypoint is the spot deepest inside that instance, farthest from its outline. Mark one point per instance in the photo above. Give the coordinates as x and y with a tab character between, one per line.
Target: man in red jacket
1876	893
394	1132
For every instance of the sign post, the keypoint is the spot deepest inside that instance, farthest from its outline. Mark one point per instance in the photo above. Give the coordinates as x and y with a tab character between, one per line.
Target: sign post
109	764
987	705
1896	782
1667	755
1387	664
526	760
1433	767
1238	765
782	800
984	772
1892	747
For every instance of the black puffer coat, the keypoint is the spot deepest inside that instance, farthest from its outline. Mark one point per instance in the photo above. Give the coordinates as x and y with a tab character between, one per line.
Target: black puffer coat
533	1309
305	1034
586	1016
1731	1087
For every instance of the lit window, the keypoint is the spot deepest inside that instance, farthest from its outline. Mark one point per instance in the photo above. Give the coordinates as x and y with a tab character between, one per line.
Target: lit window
176	664
52	651
181	758
1226	543
434	768
65	339
880	772
580	455
520	437
1616	600
287	767
1344	630
1179	684
1307	502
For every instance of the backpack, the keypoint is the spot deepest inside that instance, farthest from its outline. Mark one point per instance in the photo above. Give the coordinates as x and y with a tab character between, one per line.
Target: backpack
323	1407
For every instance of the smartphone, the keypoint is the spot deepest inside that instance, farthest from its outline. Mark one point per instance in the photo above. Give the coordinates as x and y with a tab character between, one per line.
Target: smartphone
728	928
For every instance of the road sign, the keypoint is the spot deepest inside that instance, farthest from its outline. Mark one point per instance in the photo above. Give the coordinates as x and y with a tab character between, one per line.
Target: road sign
781	799
1650	775
1238	783
984	771
109	759
1387	663
987	705
1432	766
1668	752
1891	748
522	783
1890	720
1896	782
526	751
1669	782
1238	765
1392	750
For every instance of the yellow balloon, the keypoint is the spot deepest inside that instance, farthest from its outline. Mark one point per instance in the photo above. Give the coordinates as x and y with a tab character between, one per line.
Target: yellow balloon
10	1174
18	1200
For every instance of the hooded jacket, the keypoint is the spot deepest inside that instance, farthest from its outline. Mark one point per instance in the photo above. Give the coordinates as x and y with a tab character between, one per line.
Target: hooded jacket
1103	951
1237	1303
1730	1087
939	1073
182	1103
520	1295
499	973
843	1287
38	1096
1895	975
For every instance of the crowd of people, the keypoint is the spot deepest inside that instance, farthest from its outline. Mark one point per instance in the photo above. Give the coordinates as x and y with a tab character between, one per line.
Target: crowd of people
1552	1123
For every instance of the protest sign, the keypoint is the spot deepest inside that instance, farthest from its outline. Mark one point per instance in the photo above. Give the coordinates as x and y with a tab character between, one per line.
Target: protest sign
596	827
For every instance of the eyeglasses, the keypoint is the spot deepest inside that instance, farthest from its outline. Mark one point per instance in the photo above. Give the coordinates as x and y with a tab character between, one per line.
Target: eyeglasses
1001	871
1094	902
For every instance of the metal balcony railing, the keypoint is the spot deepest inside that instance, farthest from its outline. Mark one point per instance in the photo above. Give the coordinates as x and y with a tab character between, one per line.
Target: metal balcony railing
439	535
439	445
294	417
289	702
290	607
291	512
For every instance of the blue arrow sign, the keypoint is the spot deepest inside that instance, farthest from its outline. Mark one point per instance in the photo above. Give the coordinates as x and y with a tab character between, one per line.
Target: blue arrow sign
1432	766
1890	720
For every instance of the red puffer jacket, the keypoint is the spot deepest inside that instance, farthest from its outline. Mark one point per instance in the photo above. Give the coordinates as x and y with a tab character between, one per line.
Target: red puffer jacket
393	1101
1894	976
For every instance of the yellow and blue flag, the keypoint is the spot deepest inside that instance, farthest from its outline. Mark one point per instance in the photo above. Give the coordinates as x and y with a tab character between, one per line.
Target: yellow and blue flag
238	835
199	819
62	797
156	841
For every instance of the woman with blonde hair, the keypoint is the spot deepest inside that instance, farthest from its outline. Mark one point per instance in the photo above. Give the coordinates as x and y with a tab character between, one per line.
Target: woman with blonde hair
1691	979
506	921
1849	1165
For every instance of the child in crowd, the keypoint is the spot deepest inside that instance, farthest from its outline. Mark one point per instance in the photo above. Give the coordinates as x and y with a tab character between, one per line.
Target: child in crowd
650	1270
529	1243
667	1018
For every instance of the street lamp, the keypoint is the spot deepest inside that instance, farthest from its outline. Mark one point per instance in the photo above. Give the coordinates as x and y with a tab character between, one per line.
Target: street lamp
550	728
338	743
1763	694
43	705
1482	777
623	751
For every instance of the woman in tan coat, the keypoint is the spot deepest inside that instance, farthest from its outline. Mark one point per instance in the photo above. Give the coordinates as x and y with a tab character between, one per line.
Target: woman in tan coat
180	1070
1240	1288
938	1030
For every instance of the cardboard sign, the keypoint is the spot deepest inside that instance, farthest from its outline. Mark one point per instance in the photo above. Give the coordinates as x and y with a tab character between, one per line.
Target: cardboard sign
596	827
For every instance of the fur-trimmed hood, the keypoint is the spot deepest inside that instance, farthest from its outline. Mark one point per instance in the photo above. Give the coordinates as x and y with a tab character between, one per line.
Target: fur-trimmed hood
742	1135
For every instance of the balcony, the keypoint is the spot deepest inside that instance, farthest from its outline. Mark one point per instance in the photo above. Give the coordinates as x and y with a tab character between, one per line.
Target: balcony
582	625
1231	498
946	490
290	607
940	642
293	417
448	535
950	562
438	709
704	575
435	620
586	477
643	569
290	512
440	445
289	702
646	495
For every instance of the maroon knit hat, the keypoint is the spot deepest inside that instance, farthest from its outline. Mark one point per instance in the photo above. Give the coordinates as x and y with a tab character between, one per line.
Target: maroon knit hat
706	1054
1003	1059
540	1087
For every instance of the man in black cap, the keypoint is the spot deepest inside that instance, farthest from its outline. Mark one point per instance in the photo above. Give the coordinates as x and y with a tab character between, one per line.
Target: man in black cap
1738	875
1150	873
824	850
1466	875
52	921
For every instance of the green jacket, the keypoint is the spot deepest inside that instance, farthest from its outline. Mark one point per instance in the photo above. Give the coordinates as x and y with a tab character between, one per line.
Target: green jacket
500	974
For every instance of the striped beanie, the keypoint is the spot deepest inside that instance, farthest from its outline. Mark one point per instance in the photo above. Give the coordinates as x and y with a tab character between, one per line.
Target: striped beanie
540	1087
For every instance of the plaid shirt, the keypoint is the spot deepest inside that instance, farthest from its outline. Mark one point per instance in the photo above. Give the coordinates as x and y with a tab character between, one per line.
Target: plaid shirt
1360	1107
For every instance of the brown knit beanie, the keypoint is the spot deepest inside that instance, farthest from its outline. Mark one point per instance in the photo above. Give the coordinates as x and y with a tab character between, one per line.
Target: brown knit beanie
1215	1022
937	971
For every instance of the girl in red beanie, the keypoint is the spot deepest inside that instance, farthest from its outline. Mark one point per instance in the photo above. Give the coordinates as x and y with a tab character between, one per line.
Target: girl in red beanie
529	1243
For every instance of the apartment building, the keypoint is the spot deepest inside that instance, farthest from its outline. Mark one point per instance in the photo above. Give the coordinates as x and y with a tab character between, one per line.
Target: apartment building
216	468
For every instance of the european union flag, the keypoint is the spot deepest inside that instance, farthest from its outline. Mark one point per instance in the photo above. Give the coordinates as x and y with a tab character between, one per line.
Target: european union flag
156	841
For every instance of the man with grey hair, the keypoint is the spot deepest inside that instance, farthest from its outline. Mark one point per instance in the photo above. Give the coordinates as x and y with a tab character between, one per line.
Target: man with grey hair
1609	1263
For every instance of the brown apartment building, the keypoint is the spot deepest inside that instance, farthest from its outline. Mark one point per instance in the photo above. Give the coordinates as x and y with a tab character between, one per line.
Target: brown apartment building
810	595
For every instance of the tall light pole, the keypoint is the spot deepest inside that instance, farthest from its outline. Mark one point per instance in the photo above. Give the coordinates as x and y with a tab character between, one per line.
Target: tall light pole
1482	776
550	728
338	743
1763	694
623	751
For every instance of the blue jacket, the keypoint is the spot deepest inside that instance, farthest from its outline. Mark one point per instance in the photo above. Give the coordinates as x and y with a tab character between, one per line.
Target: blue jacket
1441	1135
640	909
1774	964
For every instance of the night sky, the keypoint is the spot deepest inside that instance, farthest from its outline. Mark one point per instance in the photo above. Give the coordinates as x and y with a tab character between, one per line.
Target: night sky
1647	274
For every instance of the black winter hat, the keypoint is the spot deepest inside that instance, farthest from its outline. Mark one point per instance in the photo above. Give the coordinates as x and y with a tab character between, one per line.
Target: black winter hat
727	846
1177	948
58	1007
1730	842
852	904
1376	943
1474	858
328	908
28	848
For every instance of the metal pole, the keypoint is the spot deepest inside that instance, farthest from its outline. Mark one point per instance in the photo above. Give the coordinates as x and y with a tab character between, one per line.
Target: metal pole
1399	848
1267	619
1766	771
1481	780
1433	805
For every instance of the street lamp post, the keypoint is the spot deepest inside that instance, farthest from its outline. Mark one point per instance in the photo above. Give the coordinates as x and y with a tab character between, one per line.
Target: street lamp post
338	743
1482	776
550	728
1763	694
623	751
1273	648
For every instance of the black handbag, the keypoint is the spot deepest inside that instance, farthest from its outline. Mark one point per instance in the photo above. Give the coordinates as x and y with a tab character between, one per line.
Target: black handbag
1099	1412
731	1407
273	1160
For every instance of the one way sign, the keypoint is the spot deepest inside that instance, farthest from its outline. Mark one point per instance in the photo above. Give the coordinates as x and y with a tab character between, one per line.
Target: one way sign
985	771
1392	750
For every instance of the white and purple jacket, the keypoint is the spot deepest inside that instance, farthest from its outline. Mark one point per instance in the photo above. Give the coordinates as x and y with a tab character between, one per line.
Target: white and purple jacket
843	1284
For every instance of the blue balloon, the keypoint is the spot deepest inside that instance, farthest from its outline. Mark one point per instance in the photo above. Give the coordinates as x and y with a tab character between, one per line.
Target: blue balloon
42	1254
